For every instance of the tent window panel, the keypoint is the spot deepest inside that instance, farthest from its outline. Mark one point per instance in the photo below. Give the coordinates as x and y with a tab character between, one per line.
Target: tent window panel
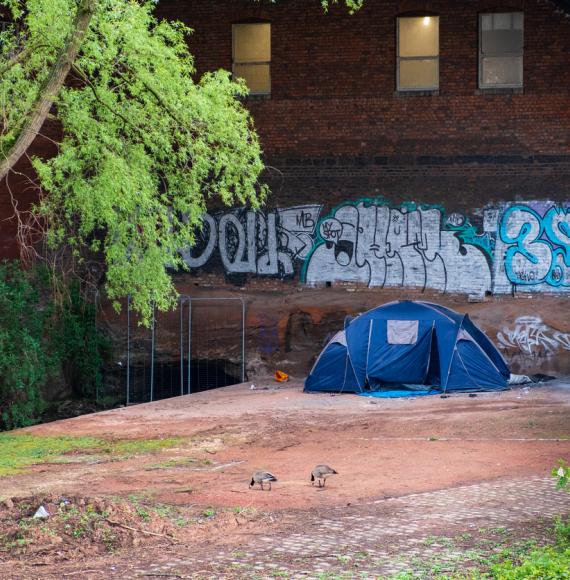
402	331
251	55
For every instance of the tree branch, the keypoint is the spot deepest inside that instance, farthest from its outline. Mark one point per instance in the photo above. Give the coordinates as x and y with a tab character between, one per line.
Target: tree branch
51	87
19	57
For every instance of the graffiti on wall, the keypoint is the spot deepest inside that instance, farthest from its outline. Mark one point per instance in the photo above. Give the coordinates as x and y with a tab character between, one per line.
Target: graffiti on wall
252	242
532	337
378	245
532	250
371	242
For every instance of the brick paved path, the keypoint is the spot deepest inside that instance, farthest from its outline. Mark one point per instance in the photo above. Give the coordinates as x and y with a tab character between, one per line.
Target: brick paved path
430	533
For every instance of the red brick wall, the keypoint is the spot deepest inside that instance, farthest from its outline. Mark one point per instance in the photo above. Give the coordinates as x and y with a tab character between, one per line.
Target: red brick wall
333	79
336	130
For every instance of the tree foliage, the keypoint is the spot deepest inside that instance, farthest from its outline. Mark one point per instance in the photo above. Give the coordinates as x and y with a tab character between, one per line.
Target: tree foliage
36	345
144	145
23	362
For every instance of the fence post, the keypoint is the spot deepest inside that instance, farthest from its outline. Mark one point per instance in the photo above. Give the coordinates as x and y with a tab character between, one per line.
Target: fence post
152	357
128	349
242	340
189	345
181	306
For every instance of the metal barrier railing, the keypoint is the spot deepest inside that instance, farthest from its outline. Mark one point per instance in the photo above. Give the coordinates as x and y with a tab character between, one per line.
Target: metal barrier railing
198	346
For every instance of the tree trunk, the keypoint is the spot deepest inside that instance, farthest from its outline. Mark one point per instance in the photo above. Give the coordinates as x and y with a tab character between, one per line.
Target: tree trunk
51	87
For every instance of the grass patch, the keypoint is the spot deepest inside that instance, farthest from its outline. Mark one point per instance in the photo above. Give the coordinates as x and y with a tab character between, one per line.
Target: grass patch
179	462
129	447
18	452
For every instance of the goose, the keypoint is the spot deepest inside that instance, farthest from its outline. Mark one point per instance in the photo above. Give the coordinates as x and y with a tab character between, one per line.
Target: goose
320	473
262	477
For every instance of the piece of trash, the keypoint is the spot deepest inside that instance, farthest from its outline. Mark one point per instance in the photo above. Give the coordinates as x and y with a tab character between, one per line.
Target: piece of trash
253	387
41	512
444	396
64	501
518	379
281	377
472	395
540	378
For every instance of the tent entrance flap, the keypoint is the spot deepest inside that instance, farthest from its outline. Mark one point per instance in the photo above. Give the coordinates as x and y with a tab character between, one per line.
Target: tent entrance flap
395	356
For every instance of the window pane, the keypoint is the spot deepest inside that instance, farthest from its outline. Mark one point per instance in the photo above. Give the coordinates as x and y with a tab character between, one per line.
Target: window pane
419	74
502	70
502	21
256	76
497	41
252	42
486	22
501	32
418	36
518	20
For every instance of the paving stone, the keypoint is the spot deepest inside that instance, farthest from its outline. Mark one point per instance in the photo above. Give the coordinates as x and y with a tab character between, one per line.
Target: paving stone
391	537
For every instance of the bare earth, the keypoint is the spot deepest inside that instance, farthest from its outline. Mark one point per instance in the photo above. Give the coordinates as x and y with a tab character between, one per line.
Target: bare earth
382	448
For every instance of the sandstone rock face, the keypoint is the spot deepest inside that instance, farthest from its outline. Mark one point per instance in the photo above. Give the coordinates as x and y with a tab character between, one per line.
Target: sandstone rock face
286	326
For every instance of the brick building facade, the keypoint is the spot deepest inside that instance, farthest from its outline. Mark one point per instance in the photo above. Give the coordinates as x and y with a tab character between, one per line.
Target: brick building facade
458	190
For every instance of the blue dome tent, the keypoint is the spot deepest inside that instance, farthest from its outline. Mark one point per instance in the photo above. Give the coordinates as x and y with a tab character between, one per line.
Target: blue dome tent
409	347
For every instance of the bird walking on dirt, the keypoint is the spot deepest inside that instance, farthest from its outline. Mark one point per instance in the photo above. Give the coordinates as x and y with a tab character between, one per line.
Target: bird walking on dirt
320	474
262	477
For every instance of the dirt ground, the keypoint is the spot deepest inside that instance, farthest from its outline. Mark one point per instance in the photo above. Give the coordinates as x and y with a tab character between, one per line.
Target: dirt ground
380	447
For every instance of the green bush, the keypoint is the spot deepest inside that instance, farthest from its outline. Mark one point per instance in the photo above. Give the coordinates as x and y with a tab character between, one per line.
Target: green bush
37	339
80	345
547	563
562	472
24	364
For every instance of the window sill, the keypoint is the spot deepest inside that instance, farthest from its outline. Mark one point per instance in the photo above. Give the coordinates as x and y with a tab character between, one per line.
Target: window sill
501	91
426	93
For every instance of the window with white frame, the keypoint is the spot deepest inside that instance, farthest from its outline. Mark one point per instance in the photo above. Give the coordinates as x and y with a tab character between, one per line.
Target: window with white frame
501	42
251	54
418	53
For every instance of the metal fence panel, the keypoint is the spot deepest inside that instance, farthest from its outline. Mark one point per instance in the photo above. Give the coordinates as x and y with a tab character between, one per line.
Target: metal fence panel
198	346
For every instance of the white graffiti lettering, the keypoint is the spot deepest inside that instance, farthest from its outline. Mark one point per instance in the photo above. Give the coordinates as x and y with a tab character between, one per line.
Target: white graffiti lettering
382	246
522	247
531	336
252	242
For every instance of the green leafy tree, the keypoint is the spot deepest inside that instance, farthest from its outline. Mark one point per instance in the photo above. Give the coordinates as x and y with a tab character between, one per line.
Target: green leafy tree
23	360
144	144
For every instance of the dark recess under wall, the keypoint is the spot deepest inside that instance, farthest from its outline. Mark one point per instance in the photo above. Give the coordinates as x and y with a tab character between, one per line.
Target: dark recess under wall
205	374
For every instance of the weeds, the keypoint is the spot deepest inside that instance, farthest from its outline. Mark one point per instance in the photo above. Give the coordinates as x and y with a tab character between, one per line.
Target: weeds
18	452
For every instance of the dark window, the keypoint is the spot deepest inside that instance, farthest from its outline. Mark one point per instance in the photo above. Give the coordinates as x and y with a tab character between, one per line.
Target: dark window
501	39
